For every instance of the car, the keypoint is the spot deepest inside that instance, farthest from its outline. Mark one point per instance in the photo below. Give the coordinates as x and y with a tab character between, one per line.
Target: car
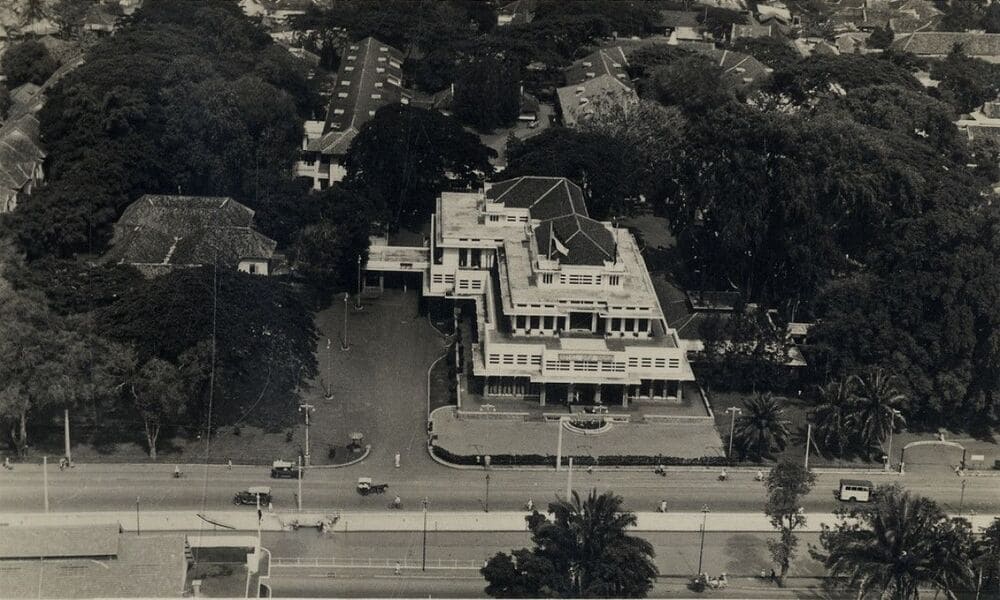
856	490
251	496
283	469
365	486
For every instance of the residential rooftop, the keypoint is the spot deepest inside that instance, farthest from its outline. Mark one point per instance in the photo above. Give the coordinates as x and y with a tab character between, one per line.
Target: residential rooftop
605	61
577	102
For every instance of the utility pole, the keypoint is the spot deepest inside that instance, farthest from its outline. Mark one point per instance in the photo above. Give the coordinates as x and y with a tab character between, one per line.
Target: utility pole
569	480
343	343
357	302
559	447
45	480
329	371
701	549
423	560
733	411
306	408
69	454
809	431
487	503
298	497
138	532
892	426
961	500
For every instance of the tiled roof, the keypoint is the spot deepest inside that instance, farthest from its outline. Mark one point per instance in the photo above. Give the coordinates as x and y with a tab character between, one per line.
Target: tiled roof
940	43
575	240
576	100
20	157
544	197
333	142
606	61
370	77
752	29
23	93
737	68
677	18
186	231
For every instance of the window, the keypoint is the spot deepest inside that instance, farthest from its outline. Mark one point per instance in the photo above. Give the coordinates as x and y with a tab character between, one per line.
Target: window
535	322
383	49
643	325
371	113
376	96
616	324
342	95
629	324
352	56
548	323
380	69
378	84
381	59
349	68
521	321
345	82
614	279
546	277
253	269
338	111
494	218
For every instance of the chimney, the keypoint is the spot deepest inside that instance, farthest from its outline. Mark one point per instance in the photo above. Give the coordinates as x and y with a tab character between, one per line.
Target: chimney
196	588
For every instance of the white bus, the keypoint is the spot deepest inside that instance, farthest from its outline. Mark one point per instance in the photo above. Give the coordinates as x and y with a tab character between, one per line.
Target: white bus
856	490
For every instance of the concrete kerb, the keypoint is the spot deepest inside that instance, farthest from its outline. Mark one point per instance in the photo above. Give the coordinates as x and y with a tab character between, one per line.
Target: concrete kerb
364	455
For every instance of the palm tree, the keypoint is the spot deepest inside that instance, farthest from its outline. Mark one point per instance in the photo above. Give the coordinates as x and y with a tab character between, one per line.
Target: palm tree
877	412
987	561
831	419
897	545
589	538
762	429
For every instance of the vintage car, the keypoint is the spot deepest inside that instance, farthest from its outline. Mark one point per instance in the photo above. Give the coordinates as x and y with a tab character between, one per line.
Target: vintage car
284	469
365	486
250	496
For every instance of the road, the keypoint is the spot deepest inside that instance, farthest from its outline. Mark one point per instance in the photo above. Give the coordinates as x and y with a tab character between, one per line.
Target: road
741	555
90	487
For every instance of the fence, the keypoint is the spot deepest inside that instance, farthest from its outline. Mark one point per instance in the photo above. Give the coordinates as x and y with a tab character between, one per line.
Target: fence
374	563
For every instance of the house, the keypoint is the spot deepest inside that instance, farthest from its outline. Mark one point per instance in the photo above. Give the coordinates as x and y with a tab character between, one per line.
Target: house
157	234
606	61
683	35
938	44
983	123
565	310
576	102
99	20
751	29
518	12
904	16
809	46
738	70
91	561
370	77
853	42
666	21
774	12
21	158
444	100
24	93
279	12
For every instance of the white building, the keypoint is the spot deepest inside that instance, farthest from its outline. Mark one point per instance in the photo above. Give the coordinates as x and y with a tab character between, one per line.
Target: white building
565	308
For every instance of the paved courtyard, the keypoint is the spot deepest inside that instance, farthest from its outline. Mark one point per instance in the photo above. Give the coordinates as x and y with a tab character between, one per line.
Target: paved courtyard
379	384
691	438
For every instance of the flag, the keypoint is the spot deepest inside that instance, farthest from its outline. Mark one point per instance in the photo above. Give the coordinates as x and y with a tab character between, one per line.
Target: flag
559	246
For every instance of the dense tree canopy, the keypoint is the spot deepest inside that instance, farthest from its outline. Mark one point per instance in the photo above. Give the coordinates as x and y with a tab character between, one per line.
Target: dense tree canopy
405	156
167	104
488	93
27	62
821	75
966	82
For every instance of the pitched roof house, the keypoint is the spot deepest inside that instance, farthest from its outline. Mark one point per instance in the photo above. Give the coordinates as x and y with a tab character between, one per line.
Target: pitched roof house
370	77
518	12
21	158
738	70
985	46
159	233
606	61
576	102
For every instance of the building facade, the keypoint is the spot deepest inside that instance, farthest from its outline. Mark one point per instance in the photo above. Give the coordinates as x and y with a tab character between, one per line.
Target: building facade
565	310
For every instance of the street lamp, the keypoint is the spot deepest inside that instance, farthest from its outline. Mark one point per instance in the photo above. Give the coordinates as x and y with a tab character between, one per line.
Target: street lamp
892	426
357	302
329	371
961	500
701	549
306	408
733	411
343	343
138	532
423	560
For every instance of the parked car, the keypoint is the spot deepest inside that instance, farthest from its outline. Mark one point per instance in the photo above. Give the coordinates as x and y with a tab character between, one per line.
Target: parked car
250	496
284	469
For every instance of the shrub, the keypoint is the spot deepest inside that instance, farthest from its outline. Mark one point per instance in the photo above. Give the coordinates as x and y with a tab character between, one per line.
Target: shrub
584	461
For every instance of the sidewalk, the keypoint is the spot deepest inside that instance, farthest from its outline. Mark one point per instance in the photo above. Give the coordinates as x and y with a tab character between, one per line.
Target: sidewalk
246	520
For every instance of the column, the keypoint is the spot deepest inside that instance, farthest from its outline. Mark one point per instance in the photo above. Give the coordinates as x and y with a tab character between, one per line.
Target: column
593	322
541	396
625	398
680	391
569	393
597	394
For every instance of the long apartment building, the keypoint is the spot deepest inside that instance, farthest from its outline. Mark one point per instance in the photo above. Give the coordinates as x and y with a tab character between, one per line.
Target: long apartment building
565	309
370	77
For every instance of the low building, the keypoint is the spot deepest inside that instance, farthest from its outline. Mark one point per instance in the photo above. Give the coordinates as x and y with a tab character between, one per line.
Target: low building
667	21
157	234
904	16
100	20
982	124
578	102
751	29
606	61
739	70
94	561
938	44
518	12
370	77
21	159
565	311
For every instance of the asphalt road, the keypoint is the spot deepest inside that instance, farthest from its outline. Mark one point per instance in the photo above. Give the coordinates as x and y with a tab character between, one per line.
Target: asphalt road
115	487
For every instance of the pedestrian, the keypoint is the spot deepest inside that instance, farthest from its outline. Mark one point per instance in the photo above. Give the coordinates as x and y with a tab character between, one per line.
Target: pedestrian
774	576
763	574
270	507
229	464
398	568
590	469
663	506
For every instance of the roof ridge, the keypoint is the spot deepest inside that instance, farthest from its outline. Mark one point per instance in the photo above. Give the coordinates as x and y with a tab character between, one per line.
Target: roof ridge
547	192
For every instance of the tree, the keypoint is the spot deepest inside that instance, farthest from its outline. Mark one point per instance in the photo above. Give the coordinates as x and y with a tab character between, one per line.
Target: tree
28	62
876	413
720	21
157	392
832	418
488	93
987	559
896	545
583	552
786	484
965	82
70	15
745	350
693	83
962	15
825	75
991	20
774	52
881	37
327	251
762	428
405	156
